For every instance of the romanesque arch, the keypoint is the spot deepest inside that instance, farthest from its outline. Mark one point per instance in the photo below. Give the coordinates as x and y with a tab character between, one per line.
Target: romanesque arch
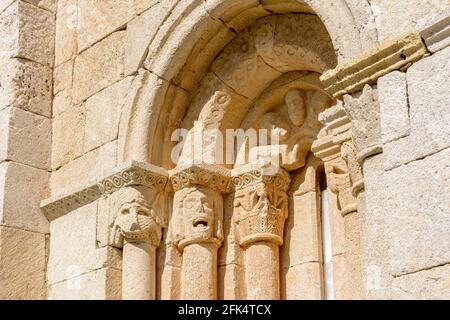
189	40
229	65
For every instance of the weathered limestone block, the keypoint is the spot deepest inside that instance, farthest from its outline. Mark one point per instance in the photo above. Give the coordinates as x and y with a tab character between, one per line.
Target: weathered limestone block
417	206
26	85
141	31
27	32
378	278
406	221
136	7
302	282
101	284
45	4
101	129
166	55
433	284
21	182
63	78
5	4
99	66
221	10
22	264
25	138
394	108
73	246
67	18
97	19
428	87
63	82
364	110
68	136
74	175
392	18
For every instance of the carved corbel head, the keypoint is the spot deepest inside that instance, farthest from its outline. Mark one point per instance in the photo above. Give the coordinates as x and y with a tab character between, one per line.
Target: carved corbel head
198	213
140	216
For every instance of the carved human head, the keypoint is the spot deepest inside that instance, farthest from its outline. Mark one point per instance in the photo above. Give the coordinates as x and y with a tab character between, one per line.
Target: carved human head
139	216
198	214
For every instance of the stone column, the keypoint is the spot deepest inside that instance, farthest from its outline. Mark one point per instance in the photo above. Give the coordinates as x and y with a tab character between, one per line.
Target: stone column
260	211
138	230
198	212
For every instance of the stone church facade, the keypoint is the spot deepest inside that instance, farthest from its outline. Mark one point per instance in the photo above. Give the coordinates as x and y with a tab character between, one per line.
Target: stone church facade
93	205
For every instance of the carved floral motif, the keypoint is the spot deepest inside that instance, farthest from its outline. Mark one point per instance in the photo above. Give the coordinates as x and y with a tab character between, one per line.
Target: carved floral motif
261	206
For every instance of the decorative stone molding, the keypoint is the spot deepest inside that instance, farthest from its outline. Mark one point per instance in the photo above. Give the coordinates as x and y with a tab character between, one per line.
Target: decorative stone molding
437	36
212	176
261	205
131	173
389	56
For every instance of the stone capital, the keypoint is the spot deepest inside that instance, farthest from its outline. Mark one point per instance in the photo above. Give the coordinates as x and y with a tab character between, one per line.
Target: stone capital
140	216
260	204
336	149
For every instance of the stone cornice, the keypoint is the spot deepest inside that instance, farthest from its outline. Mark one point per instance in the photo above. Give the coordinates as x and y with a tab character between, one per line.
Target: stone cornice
212	176
437	36
389	56
129	174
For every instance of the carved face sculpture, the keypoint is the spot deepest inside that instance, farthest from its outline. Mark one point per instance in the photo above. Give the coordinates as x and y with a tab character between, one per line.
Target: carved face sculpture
199	214
137	220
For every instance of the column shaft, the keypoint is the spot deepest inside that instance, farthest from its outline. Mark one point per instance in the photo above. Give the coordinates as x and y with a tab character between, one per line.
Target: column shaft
262	271
139	271
199	272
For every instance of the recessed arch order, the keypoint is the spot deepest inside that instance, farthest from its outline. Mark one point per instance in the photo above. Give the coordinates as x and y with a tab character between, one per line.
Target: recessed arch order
205	46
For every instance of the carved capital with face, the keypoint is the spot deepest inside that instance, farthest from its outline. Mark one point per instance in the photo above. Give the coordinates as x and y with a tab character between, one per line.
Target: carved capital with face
140	216
198	216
